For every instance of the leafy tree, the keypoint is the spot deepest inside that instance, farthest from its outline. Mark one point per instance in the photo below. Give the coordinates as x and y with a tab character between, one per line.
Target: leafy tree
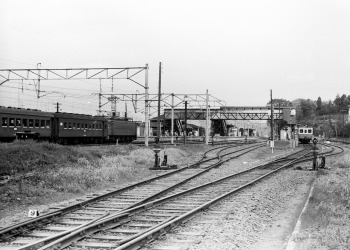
305	110
337	101
341	102
319	103
347	130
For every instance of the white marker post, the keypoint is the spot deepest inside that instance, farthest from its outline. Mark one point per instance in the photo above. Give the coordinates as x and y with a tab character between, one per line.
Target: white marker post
272	145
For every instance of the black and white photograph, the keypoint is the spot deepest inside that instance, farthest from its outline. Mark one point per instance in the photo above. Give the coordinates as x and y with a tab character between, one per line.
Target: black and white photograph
174	125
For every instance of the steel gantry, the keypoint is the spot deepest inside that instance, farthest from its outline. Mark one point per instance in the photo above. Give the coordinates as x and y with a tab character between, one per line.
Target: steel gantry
169	101
40	74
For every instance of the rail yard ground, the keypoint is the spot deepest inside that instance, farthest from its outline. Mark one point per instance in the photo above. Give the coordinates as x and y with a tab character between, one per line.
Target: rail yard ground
49	173
262	218
325	222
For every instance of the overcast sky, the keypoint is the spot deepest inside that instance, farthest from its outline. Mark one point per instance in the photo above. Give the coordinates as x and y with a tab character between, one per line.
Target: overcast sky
239	50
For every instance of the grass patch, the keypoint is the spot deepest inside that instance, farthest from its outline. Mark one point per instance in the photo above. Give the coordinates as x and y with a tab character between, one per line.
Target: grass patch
325	225
53	169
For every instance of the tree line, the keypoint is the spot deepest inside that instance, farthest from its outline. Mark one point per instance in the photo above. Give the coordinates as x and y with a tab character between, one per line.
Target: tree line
328	118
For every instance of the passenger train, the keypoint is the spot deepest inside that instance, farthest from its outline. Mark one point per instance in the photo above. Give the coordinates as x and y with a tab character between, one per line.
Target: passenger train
305	134
63	128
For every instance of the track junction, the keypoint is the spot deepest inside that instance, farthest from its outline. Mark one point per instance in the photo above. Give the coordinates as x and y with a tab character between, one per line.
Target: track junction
126	218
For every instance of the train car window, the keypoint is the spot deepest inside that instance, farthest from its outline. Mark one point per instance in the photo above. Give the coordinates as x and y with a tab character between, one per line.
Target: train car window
18	122
89	126
74	125
93	126
4	122
78	125
70	125
301	131
105	126
12	122
65	125
100	126
37	123
42	123
25	123
48	123
31	123
309	131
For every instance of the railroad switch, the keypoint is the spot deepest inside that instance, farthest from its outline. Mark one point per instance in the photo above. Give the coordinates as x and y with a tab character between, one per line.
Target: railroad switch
164	165
165	161
323	162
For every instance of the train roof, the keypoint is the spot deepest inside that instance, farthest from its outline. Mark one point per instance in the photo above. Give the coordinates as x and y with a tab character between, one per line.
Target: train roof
23	111
79	116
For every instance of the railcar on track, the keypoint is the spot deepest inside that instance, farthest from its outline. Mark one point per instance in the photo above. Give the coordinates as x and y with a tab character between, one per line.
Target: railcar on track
25	124
63	128
121	130
305	134
76	128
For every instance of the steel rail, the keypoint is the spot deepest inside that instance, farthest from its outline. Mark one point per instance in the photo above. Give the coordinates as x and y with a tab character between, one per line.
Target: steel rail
324	153
133	244
44	241
147	206
25	227
215	165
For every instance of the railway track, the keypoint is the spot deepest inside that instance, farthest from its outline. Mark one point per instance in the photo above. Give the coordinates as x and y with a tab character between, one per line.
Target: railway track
133	227
130	228
91	209
122	225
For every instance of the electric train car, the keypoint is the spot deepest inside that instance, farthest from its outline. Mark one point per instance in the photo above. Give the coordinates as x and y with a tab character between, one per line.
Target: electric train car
63	128
25	124
305	135
121	130
76	128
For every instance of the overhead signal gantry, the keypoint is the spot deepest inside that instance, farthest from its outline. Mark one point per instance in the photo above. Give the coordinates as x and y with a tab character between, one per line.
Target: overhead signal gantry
40	74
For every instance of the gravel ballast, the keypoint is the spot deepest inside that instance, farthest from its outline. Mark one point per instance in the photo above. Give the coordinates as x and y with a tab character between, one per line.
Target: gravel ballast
261	217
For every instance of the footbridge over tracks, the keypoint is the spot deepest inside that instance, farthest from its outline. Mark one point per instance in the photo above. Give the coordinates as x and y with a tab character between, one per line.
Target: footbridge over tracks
235	113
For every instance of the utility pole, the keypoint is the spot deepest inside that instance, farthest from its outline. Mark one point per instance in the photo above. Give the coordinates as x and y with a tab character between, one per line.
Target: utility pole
146	107
57	104
271	116
172	118
159	98
272	142
185	132
37	66
99	103
126	111
279	122
207	119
